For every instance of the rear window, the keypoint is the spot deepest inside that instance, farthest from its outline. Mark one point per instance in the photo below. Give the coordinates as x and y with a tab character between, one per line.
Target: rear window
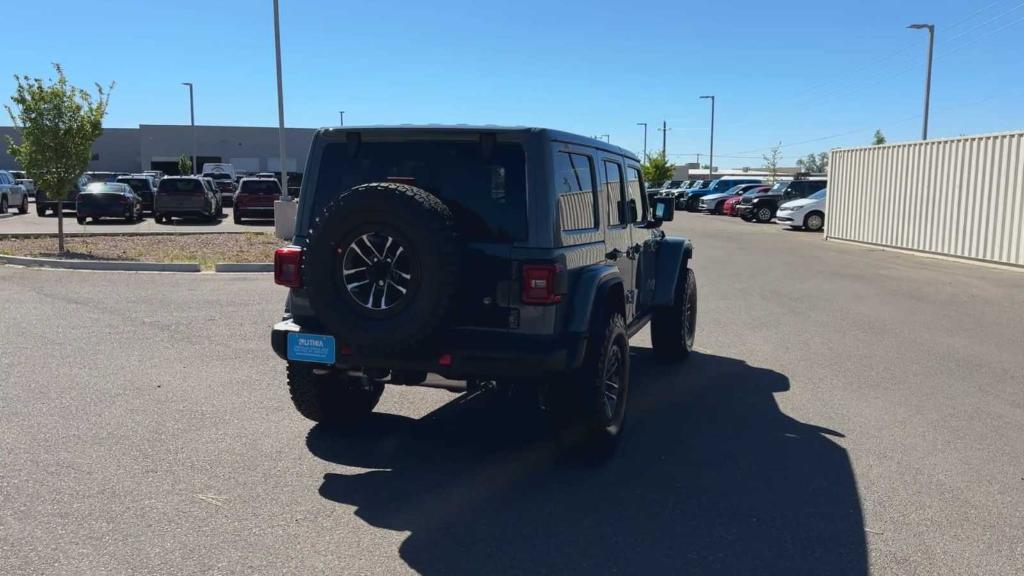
103	187
262	187
485	192
172	186
136	184
217	176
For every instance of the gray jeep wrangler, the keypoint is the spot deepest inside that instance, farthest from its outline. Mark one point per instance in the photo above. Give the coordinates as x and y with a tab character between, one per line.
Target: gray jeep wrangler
495	256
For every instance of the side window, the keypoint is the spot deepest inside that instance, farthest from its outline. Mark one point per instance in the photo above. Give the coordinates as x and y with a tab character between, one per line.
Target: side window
574	180
637	198
614	193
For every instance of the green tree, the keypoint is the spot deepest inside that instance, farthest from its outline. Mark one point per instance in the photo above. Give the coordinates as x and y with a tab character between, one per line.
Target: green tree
771	161
879	138
58	124
657	168
184	165
815	163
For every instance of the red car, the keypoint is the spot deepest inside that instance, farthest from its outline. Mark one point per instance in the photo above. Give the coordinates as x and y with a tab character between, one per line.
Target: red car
255	198
729	207
730	204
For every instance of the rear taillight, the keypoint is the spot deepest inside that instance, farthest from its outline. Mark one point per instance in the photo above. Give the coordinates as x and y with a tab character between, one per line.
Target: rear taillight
539	284
288	266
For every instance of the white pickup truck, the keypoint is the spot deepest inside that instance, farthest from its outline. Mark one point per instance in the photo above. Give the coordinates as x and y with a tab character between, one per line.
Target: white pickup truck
12	194
23	179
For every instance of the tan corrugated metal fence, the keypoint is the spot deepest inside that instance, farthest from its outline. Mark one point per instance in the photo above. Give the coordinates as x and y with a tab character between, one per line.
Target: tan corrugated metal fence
960	197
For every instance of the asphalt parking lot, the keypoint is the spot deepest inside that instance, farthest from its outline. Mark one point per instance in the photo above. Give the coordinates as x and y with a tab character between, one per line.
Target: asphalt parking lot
849	411
14	223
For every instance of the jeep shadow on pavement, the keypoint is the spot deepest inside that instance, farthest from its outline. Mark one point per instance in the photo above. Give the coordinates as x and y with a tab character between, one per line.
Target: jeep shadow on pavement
516	258
713	479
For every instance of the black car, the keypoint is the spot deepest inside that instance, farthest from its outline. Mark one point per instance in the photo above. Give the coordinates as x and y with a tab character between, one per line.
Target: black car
143	186
45	202
108	200
517	258
225	184
762	207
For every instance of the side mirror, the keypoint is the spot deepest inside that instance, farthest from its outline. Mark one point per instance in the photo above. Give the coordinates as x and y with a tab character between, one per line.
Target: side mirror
664	209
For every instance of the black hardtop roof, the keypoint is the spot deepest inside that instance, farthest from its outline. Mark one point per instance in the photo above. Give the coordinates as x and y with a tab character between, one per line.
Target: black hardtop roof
549	133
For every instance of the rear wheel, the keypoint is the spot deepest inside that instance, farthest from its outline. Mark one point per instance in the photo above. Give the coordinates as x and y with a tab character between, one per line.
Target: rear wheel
40	210
329	396
236	216
23	209
81	220
673	328
593	401
3	205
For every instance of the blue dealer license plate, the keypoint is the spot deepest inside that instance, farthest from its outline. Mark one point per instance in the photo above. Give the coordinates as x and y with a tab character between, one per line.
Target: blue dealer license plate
311	348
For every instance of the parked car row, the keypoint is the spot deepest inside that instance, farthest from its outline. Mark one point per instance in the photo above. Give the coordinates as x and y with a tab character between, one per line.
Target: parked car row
797	202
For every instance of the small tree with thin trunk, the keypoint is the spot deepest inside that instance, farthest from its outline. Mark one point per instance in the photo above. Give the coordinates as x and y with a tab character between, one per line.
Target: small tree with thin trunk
184	165
58	124
657	168
879	138
771	161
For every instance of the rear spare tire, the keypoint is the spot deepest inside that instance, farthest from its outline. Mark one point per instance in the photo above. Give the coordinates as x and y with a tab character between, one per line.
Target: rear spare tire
381	265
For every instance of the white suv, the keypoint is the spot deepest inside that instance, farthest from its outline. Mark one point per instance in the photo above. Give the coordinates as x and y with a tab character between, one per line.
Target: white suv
806	213
12	194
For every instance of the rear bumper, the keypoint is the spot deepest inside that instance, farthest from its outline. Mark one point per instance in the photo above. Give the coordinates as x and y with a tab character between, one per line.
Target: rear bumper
111	211
472	356
255	211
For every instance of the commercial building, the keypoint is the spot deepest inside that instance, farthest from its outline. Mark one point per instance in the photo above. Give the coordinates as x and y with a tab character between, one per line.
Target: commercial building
158	147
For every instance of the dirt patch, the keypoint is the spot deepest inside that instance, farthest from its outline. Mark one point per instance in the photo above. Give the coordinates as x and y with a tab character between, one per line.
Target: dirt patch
204	249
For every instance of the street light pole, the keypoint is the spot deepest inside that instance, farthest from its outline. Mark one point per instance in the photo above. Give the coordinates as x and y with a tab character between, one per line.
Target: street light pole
341	116
928	78
711	156
192	114
644	124
280	102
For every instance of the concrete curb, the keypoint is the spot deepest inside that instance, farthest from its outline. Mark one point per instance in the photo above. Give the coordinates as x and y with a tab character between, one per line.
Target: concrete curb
227	267
99	264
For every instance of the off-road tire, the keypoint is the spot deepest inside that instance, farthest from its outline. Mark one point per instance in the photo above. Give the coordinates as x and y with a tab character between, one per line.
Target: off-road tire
423	225
577	403
332	398
673	327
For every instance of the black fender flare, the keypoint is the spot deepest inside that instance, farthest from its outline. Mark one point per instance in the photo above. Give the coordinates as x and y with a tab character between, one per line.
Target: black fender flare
673	257
592	286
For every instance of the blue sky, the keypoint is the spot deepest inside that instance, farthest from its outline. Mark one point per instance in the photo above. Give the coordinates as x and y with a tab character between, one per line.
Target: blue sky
809	74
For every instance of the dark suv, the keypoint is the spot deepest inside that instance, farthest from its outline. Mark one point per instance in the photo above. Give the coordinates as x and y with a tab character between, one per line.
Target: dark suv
762	207
519	257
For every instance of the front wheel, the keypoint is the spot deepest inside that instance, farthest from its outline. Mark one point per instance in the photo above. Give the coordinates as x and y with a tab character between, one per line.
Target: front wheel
331	397
81	220
673	328
40	210
815	221
236	216
3	205
23	209
763	214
